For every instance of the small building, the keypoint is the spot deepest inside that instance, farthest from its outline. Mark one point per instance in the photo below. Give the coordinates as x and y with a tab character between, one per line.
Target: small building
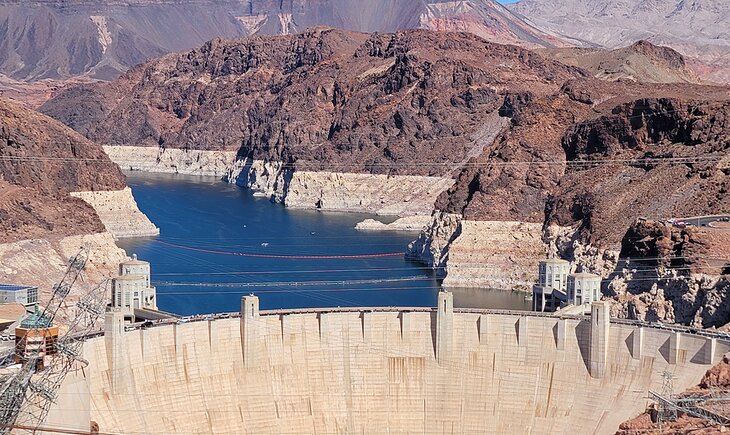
584	288
18	294
132	290
551	288
35	338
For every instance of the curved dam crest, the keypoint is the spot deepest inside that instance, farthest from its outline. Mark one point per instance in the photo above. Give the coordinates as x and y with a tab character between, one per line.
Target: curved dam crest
378	370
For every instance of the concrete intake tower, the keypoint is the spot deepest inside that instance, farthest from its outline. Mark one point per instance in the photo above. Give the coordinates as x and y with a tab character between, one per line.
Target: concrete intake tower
377	370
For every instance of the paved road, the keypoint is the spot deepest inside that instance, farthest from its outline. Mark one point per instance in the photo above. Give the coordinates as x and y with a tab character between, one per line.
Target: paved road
702	221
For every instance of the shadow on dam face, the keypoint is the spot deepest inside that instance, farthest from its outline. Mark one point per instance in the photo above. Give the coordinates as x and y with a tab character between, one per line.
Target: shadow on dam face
376	371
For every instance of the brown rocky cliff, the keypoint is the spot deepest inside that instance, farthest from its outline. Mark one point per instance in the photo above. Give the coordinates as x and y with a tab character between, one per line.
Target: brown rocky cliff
41	161
414	102
655	157
40	153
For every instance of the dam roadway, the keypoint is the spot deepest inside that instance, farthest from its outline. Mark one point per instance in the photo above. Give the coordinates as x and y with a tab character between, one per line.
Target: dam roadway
379	370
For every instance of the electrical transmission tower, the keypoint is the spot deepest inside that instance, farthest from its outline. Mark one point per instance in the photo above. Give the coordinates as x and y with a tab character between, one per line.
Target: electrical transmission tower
26	395
710	406
667	413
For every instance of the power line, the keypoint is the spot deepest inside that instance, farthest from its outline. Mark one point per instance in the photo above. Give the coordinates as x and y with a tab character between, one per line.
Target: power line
471	164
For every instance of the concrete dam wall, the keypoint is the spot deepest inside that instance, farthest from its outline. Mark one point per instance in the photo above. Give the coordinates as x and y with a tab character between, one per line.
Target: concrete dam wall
380	371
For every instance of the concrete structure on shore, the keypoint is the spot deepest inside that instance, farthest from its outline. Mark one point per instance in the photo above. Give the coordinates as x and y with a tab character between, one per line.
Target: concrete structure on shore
583	288
557	288
550	292
132	290
379	370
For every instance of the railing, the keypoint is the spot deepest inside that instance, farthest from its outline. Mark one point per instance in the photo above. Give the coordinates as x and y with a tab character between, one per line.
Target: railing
557	315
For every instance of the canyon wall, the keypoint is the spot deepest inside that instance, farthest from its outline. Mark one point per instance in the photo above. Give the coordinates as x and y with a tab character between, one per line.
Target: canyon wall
171	160
400	195
494	254
119	213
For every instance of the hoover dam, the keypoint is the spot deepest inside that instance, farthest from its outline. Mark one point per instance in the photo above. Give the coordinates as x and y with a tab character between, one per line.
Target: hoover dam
378	370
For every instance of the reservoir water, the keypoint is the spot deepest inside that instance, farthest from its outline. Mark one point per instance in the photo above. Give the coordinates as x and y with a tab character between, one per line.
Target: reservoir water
218	242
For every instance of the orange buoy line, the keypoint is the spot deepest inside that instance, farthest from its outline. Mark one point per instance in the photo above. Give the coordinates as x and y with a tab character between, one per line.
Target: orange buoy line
283	257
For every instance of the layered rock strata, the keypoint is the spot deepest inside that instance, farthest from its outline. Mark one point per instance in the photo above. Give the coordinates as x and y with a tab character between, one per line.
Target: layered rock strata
171	160
408	223
400	195
494	254
119	213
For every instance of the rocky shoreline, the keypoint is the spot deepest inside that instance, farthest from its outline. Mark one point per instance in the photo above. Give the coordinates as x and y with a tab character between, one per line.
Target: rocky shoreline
492	254
397	195
119	213
171	161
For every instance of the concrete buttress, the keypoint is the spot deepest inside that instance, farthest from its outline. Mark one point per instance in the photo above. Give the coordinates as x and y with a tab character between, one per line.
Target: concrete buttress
444	326
637	343
249	329
599	332
560	336
674	347
115	348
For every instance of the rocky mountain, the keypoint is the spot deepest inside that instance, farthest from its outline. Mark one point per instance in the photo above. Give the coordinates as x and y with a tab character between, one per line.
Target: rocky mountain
641	61
42	39
533	156
41	162
425	103
415	103
696	28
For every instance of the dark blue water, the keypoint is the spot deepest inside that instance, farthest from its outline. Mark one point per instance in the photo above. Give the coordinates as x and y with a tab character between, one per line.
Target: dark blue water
205	224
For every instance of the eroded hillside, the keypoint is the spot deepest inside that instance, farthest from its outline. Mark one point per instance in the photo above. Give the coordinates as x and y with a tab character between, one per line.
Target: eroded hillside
697	29
518	131
41	162
416	102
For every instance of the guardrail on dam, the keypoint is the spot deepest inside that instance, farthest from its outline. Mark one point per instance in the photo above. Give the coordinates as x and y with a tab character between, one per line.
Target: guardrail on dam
378	370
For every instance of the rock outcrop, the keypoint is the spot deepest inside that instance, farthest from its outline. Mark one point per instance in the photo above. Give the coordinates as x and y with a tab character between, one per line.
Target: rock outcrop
119	213
408	223
171	160
672	274
492	254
